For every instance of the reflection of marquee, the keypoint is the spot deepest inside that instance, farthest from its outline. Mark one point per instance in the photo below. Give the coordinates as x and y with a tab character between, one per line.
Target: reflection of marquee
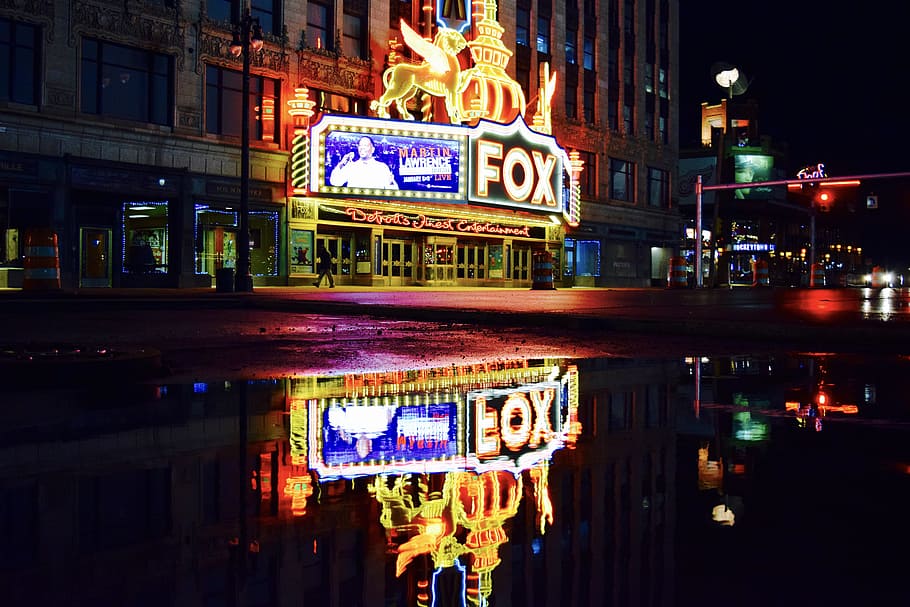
408	426
449	508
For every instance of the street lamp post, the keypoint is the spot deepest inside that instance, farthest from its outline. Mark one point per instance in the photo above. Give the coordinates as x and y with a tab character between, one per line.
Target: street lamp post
248	37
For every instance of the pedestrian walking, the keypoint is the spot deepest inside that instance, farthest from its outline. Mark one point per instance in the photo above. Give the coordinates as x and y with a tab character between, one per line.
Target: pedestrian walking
324	267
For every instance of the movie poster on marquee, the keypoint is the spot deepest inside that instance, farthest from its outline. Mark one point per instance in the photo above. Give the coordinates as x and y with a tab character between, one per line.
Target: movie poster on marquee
393	162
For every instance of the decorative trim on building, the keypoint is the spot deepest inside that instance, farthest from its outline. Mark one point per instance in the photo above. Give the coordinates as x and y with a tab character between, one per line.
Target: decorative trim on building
115	23
341	74
214	48
37	12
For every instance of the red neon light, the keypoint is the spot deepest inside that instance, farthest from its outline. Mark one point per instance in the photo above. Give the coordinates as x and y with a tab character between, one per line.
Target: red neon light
422	222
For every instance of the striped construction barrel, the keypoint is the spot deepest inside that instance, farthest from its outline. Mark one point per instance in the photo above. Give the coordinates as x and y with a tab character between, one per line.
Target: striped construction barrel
42	261
676	273
817	275
760	276
878	277
542	270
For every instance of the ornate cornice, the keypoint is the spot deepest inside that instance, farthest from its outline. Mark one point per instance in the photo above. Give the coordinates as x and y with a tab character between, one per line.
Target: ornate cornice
38	12
214	48
335	72
159	29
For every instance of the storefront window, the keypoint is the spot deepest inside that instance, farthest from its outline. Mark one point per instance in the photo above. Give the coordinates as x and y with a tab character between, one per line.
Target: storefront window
216	240
495	261
145	244
587	258
362	254
301	251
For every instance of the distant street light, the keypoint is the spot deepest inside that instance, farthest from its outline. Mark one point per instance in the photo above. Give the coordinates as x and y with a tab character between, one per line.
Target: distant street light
248	35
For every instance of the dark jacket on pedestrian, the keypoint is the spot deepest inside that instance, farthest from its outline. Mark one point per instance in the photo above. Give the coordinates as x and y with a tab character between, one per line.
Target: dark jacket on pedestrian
325	259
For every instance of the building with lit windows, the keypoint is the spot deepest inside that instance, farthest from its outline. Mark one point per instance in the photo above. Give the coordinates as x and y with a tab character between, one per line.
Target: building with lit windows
120	135
775	225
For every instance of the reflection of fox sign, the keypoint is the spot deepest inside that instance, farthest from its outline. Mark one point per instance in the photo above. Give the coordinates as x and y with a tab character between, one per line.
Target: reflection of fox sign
439	75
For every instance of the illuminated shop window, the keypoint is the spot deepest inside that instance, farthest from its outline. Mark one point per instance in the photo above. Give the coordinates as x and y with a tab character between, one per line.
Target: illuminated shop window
145	238
586	257
128	83
216	230
224	92
20	58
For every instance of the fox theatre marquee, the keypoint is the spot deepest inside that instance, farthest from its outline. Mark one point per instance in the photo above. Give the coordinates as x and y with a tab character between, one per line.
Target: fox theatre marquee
466	197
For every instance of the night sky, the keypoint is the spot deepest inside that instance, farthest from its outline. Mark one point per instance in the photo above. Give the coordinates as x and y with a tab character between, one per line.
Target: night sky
830	79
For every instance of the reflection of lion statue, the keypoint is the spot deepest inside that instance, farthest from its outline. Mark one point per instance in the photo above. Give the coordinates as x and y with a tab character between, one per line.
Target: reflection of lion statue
439	75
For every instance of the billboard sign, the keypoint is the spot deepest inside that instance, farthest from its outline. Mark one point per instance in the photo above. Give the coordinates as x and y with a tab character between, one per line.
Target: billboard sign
753	167
383	158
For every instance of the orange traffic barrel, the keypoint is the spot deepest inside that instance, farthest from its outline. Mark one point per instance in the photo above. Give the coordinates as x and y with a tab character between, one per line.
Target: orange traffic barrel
676	273
42	261
817	275
878	277
760	273
542	271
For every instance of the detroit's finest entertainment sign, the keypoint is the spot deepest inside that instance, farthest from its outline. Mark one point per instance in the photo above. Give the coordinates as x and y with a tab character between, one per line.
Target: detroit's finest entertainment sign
504	165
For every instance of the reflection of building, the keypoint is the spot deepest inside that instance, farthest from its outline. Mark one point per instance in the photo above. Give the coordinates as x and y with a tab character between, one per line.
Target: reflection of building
106	149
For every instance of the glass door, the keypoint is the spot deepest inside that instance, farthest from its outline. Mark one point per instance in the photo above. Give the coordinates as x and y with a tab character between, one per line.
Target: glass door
398	262
94	257
340	248
471	262
521	263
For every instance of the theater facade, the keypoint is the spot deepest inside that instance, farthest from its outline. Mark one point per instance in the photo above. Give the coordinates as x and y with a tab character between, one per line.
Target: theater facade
469	200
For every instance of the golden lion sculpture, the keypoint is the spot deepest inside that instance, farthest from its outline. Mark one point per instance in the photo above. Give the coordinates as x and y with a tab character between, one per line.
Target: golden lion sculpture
439	75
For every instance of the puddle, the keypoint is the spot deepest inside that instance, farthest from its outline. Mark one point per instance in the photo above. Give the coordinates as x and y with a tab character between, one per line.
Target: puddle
548	481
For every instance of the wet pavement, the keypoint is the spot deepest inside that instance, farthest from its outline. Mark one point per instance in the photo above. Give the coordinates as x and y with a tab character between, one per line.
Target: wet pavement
429	447
670	480
847	316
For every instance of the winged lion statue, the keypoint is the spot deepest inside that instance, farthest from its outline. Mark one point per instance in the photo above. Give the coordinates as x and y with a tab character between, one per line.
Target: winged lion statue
438	75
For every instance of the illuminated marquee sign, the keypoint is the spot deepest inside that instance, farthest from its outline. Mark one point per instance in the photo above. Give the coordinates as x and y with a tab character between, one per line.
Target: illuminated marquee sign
504	165
446	224
368	157
515	427
513	166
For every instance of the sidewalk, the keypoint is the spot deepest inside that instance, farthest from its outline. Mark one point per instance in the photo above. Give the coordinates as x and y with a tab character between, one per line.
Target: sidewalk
816	318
